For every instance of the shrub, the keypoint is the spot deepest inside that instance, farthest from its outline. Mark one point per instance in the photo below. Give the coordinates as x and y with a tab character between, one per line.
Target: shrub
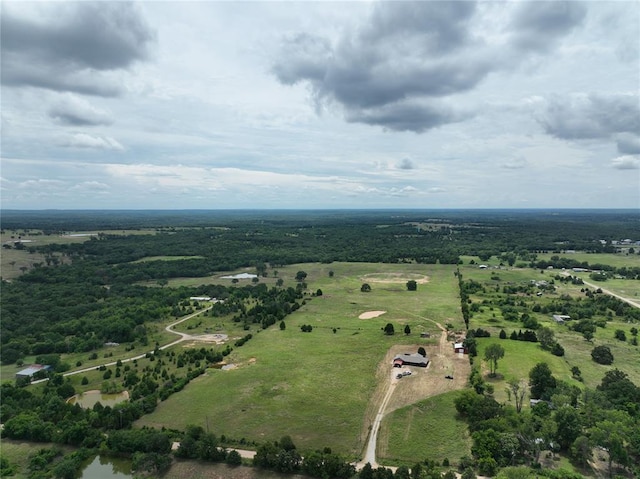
602	355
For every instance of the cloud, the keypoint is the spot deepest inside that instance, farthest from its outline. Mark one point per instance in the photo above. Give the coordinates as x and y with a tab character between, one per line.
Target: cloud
72	110
404	116
628	144
405	164
539	25
396	69
591	116
626	162
83	140
64	46
515	164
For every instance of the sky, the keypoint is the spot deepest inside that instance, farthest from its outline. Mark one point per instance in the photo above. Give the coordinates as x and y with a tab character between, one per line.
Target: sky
314	105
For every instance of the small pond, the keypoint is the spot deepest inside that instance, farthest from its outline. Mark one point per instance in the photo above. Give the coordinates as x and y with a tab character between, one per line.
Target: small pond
88	399
103	467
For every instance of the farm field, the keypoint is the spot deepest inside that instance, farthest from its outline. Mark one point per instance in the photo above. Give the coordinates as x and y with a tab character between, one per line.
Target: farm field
317	386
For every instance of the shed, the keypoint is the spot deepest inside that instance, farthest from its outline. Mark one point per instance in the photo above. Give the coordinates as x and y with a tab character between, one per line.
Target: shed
31	370
460	348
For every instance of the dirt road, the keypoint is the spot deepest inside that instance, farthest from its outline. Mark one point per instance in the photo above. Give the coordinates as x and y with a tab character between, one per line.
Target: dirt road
421	384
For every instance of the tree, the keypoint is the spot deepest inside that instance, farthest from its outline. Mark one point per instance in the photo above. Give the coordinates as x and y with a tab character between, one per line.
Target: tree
422	352
569	426
388	329
234	458
331	273
546	338
541	382
301	276
407	330
279	282
365	288
518	389
493	352
503	334
602	355
620	335
412	285
283	326
319	292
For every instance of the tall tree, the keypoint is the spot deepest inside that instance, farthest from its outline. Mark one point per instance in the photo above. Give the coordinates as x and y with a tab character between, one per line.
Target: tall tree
541	382
493	353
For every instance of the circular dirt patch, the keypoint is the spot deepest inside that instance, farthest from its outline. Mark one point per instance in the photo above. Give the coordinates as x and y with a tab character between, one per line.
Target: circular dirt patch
395	278
371	314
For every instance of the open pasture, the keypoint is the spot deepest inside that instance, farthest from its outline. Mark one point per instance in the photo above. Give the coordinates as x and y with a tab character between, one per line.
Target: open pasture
317	386
402	435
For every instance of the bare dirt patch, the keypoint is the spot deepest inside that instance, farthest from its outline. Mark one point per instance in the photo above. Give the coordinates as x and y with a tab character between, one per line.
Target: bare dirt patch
371	314
395	278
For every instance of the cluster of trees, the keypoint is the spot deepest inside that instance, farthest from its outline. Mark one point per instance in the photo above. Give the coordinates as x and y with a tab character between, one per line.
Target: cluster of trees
283	456
565	419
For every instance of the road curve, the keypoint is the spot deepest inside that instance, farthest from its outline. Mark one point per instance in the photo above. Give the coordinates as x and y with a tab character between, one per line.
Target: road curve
183	337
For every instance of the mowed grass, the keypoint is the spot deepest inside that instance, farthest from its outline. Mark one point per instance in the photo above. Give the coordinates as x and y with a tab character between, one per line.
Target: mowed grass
405	431
316	387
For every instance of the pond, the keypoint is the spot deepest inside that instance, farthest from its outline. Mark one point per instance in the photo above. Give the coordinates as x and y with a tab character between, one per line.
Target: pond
103	467
90	398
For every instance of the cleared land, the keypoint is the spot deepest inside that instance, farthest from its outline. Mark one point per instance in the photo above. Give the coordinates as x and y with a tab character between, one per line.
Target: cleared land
322	388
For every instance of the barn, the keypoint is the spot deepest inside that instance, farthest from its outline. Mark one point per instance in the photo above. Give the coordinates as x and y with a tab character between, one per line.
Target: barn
409	359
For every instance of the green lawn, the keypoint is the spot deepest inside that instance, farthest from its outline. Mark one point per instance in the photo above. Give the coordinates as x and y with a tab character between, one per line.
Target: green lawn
405	431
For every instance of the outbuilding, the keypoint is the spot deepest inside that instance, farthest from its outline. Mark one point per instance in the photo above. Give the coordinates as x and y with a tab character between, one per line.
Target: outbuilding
31	370
460	348
409	359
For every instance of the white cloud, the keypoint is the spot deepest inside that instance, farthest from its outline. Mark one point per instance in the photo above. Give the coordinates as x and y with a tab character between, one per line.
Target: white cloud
626	162
85	141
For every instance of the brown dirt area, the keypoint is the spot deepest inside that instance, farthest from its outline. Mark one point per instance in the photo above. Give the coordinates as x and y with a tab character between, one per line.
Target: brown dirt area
430	381
371	314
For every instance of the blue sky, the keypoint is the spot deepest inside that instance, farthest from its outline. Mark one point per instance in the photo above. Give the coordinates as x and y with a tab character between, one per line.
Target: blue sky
167	104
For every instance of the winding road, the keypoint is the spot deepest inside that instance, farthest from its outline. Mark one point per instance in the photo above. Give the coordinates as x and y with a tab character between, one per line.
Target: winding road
183	337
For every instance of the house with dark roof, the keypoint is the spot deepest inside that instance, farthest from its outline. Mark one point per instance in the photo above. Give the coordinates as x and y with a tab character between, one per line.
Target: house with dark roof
409	359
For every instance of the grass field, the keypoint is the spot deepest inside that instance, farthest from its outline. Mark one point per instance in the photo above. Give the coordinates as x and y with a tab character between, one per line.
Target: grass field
403	432
316	386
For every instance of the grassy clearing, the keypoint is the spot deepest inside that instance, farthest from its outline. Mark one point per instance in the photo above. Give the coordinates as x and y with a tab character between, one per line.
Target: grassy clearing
402	434
316	386
617	260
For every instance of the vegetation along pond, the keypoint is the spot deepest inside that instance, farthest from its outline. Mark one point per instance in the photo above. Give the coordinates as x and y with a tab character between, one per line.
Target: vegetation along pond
90	398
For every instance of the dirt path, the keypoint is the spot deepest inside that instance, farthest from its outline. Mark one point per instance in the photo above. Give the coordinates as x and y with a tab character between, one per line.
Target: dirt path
183	337
421	384
632	302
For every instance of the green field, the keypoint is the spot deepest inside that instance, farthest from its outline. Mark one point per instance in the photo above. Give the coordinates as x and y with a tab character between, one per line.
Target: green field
402	434
317	386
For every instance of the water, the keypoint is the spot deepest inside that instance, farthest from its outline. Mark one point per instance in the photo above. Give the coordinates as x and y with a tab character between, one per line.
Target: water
103	467
88	399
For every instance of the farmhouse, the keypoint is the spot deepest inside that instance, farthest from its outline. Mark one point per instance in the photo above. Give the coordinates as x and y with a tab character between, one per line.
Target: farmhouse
408	359
31	370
